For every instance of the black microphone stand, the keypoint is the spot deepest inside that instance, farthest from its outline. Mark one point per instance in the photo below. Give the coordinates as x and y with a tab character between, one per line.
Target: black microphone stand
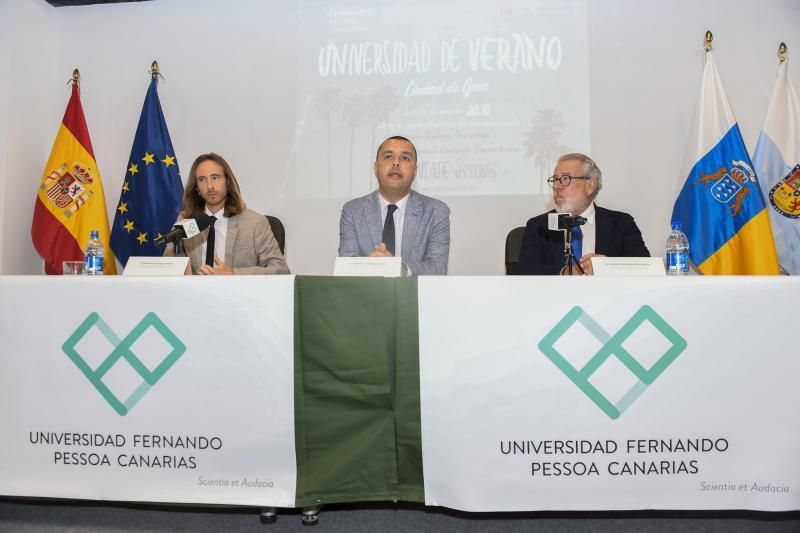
569	255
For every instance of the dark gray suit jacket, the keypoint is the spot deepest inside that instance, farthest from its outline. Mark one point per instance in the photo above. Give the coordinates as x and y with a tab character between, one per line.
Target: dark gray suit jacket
425	249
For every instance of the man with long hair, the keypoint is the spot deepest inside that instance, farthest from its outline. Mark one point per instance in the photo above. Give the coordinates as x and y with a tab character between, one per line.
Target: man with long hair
239	240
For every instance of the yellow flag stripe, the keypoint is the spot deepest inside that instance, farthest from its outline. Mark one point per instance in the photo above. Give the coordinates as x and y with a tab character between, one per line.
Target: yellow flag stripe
91	214
750	251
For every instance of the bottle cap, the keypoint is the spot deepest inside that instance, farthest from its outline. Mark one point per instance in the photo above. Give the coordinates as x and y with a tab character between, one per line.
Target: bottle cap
676	224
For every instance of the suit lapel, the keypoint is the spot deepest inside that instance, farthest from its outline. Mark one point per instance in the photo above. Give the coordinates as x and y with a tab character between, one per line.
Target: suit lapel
230	239
194	249
601	231
411	220
371	214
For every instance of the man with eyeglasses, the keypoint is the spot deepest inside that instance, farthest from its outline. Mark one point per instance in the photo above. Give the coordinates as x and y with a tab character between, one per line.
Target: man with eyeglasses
576	182
396	220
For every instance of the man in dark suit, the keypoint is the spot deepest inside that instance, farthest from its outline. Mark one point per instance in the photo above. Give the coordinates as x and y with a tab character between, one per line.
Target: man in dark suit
396	220
576	182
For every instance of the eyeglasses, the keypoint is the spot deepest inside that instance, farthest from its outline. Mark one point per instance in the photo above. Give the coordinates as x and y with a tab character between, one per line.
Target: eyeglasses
565	179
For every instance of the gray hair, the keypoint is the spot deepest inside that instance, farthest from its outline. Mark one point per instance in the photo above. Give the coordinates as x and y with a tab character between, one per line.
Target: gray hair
590	168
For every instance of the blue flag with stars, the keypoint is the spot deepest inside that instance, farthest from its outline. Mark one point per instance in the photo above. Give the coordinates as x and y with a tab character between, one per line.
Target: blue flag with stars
152	192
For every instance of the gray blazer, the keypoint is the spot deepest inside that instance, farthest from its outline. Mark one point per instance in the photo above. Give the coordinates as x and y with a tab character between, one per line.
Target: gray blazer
250	246
426	232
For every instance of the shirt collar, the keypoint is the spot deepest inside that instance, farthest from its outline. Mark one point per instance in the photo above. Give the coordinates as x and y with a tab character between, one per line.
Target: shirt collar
401	204
219	214
589	214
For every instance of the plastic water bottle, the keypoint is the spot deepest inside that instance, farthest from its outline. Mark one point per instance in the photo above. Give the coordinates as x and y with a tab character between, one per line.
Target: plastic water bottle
677	251
93	259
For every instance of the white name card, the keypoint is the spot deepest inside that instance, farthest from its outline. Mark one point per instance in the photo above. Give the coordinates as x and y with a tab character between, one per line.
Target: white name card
628	266
157	266
387	267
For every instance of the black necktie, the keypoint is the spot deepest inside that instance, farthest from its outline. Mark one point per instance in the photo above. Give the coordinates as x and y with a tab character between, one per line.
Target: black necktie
388	228
210	242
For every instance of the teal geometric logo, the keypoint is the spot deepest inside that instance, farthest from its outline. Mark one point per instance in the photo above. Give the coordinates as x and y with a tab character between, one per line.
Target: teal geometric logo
612	346
123	351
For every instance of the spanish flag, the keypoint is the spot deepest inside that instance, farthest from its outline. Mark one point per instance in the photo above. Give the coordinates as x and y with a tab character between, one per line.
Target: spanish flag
70	202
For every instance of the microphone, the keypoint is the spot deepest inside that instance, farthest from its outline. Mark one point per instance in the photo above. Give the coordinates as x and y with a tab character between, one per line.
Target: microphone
563	221
185	229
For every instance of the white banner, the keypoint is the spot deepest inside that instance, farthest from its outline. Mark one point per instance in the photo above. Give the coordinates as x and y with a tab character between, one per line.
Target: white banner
148	389
583	394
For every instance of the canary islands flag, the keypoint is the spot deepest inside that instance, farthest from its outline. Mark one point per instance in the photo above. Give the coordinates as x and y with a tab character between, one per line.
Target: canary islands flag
720	204
777	163
151	191
70	202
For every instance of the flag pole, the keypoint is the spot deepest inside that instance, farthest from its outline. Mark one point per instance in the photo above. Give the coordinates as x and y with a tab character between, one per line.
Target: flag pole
76	78
782	52
155	73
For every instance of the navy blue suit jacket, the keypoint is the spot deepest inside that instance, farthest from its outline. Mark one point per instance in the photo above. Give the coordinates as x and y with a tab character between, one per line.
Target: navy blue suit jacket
542	250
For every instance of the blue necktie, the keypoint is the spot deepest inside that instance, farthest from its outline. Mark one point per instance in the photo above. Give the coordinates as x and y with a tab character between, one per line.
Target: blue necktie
577	242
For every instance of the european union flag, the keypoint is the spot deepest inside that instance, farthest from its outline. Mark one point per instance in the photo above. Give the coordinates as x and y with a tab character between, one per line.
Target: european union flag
152	192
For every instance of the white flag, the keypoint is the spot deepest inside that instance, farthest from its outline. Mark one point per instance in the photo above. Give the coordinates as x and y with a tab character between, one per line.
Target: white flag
777	163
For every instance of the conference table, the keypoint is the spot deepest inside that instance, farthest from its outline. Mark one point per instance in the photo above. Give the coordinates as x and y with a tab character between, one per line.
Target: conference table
474	393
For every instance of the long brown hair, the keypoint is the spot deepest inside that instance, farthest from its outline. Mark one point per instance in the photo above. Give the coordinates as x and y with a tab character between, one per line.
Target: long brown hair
193	203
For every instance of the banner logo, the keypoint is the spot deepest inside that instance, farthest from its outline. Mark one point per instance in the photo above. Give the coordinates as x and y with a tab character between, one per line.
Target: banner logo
613	349
114	371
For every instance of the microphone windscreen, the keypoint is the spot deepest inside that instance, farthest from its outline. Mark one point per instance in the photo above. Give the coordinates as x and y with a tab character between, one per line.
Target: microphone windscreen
555	221
203	221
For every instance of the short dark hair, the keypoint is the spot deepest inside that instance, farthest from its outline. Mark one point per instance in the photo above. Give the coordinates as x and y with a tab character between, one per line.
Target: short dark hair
396	138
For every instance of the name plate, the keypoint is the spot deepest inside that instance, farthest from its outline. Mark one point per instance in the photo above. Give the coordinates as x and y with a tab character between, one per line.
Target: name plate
387	267
157	266
628	266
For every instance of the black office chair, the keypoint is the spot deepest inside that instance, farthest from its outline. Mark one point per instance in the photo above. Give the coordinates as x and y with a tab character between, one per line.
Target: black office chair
513	244
276	226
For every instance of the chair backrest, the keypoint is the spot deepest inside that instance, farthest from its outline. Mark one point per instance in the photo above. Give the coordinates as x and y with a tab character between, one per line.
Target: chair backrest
513	244
276	226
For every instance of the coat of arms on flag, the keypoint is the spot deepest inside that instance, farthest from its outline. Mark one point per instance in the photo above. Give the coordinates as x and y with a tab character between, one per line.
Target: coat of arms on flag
785	194
730	186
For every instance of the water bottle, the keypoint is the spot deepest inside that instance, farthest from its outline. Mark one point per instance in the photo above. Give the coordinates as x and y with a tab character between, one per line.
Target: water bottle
93	259
677	251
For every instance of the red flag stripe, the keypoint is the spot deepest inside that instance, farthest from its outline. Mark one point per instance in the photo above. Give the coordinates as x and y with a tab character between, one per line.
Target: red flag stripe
59	243
75	122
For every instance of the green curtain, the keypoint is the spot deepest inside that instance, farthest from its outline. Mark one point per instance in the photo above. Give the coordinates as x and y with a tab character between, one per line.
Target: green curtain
357	413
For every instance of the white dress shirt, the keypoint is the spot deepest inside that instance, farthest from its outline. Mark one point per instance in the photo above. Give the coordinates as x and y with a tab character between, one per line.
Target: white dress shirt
399	216
589	231
220	232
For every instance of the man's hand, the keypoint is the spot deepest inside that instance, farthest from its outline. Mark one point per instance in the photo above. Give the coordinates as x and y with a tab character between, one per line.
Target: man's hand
220	268
586	263
380	251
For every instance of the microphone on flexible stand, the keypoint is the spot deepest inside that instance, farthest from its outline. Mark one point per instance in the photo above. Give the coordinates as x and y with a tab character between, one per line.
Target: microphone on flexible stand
185	229
565	222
